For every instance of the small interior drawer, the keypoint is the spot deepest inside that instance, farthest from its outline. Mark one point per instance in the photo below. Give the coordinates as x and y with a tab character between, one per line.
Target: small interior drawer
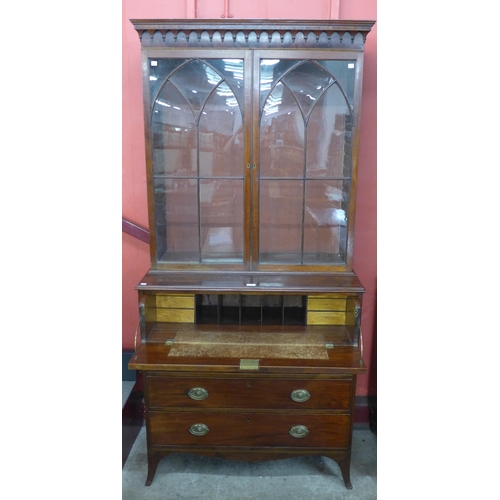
175	301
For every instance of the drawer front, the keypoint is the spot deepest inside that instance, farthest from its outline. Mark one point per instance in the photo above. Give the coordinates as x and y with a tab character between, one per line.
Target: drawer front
175	308
326	304
249	393
248	429
326	318
175	315
175	301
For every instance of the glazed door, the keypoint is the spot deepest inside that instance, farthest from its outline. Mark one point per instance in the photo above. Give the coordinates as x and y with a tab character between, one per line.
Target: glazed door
305	124
199	134
251	158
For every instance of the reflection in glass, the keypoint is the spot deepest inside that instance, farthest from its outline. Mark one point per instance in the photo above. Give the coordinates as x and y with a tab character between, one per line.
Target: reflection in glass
173	131
159	70
176	210
344	73
232	72
271	70
221	204
328	136
196	81
281	136
307	82
280	225
221	135
325	221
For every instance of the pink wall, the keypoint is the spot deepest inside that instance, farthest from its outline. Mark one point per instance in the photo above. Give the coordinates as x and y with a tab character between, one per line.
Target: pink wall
136	253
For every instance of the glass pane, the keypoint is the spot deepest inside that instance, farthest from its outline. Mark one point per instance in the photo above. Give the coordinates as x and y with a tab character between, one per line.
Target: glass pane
232	72
176	214
271	70
280	223
307	82
221	220
221	136
281	136
173	131
159	70
329	136
196	80
343	72
325	221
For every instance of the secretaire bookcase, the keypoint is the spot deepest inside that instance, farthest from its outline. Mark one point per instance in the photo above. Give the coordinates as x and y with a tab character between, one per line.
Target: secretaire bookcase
249	332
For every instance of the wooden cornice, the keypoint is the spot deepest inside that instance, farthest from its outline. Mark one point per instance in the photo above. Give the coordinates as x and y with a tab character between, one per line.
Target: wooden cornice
264	33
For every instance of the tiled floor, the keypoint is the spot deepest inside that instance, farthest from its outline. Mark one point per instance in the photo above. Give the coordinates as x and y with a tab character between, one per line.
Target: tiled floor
190	477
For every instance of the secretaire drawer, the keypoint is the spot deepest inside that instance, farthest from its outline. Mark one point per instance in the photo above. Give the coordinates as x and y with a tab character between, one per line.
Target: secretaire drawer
248	429
164	391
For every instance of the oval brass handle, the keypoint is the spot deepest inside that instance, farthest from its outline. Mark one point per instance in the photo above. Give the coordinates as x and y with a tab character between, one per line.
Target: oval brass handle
299	431
198	429
198	393
300	395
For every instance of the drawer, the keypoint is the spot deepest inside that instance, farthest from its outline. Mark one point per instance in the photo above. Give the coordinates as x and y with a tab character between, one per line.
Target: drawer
175	301
175	315
175	308
326	304
326	318
249	392
248	429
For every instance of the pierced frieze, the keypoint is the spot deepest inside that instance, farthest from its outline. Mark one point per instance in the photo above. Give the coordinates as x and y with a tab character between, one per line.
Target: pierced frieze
262	34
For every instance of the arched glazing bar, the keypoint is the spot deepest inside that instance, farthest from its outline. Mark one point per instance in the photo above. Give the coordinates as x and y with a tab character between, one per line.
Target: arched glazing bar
192	142
305	163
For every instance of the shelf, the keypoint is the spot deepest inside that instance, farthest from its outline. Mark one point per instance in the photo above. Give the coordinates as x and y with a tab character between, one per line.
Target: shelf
251	282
